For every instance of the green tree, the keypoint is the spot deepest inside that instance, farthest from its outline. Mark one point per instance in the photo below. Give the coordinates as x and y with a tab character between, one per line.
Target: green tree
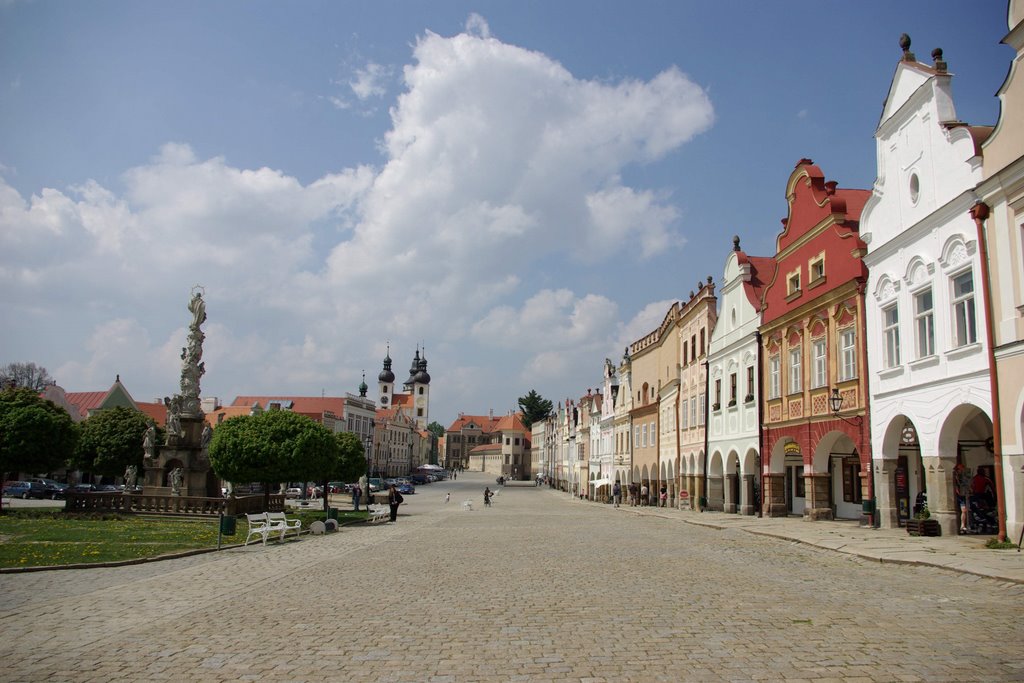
534	408
111	441
28	375
272	447
351	457
436	429
36	435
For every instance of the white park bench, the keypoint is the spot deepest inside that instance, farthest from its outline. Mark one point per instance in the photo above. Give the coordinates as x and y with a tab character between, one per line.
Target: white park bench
379	513
263	525
279	519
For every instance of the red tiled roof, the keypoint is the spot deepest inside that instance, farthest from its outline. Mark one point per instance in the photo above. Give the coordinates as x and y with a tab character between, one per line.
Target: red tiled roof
509	423
307	405
486	447
486	422
86	400
155	411
401	399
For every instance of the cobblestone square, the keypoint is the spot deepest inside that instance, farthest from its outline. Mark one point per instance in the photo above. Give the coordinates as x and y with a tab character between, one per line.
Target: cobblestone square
538	587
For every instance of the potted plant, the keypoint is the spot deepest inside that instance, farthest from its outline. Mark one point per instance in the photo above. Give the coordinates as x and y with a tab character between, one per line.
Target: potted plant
922	524
716	406
749	398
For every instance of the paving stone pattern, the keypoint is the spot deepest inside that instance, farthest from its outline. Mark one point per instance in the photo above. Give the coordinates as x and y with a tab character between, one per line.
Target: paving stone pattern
537	588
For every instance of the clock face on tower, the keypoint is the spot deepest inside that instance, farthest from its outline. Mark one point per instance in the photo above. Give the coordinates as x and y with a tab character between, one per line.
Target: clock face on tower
420	402
384	399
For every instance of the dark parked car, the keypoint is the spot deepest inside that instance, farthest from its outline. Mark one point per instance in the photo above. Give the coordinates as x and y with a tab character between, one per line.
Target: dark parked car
83	488
25	489
405	488
54	489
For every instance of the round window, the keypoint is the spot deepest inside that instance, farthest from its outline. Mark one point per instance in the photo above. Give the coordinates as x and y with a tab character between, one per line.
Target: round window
915	188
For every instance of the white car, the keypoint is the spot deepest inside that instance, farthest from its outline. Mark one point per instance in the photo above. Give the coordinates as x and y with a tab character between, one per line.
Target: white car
293	492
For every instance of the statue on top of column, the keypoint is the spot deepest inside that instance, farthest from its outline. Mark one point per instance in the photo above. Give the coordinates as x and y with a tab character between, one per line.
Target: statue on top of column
192	369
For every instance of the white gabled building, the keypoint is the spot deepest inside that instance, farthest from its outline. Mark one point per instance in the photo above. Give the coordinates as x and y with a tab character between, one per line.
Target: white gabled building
927	353
734	429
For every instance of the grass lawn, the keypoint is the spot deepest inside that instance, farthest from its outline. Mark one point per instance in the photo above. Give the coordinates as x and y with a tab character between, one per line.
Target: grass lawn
44	538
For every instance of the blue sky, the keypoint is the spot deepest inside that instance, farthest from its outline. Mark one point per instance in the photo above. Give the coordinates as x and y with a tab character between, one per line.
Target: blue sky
523	187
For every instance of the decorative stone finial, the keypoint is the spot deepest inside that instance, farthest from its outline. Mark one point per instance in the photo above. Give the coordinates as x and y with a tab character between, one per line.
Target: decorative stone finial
908	56
735	242
940	65
710	279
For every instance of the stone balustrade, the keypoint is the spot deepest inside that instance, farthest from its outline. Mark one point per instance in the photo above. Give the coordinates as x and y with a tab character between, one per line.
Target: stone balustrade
170	504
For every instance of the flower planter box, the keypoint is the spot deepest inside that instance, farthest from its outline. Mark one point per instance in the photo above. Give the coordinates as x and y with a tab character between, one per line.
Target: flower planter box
924	527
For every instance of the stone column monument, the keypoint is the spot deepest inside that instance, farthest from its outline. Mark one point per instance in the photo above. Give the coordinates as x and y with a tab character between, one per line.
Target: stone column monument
186	446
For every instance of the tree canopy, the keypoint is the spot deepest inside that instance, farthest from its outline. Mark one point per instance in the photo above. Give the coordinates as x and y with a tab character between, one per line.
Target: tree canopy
271	447
436	428
27	375
534	408
36	435
351	457
111	441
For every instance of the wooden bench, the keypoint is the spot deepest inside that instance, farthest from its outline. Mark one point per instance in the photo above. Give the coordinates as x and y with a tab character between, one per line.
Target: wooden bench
280	519
379	513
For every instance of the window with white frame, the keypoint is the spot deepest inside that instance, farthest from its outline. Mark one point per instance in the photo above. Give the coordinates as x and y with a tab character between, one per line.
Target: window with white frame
965	330
750	381
820	377
816	268
693	412
774	385
924	323
847	354
636	436
795	371
643	436
700	409
891	333
685	413
654	435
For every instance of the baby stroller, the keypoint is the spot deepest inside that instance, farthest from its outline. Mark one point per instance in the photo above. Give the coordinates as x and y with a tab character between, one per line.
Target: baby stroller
982	516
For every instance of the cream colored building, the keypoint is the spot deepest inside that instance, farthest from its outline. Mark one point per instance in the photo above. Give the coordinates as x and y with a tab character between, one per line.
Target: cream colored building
1002	215
694	328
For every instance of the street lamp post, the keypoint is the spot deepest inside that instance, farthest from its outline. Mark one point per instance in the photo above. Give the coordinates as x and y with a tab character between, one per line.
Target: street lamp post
369	456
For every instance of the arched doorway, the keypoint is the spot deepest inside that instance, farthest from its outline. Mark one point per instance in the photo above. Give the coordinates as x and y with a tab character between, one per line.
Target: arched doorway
785	484
836	481
751	499
732	483
964	438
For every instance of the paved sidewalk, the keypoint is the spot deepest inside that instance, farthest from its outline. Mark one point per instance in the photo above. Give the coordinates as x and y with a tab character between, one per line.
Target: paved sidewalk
965	554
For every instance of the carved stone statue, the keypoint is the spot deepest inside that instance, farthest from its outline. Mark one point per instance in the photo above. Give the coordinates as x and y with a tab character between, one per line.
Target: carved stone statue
192	369
131	475
207	436
174	431
177	478
149	442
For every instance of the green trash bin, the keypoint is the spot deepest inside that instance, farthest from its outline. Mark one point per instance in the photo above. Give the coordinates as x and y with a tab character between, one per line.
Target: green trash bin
228	525
867	506
332	513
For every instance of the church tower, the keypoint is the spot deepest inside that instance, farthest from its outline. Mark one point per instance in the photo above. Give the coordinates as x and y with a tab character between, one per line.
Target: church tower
421	391
386	382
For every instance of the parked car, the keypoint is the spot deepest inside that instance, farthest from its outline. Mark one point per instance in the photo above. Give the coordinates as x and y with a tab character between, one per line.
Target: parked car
83	488
24	489
293	492
54	489
419	479
405	488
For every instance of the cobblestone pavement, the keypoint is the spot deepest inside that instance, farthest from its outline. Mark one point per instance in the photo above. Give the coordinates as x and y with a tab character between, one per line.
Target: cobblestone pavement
537	588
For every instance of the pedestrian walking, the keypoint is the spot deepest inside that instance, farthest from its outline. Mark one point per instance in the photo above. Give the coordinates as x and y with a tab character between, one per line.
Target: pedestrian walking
447	496
616	494
357	493
663	495
487	497
394	500
644	495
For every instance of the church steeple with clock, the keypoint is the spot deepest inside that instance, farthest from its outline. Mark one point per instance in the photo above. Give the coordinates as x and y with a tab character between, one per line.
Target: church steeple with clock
415	400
